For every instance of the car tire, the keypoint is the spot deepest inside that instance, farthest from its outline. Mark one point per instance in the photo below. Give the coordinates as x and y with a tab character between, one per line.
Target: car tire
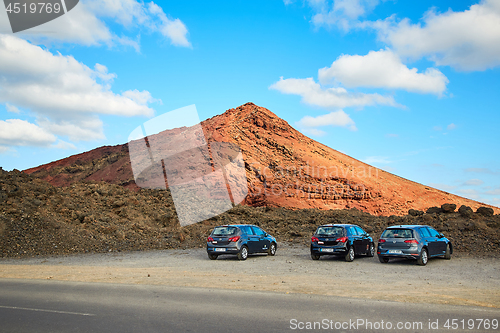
423	258
315	256
213	256
349	256
272	249
371	250
447	254
243	254
383	260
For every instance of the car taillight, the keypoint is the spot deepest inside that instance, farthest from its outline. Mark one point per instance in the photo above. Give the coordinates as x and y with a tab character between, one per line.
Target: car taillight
234	239
411	241
342	239
381	240
210	239
314	239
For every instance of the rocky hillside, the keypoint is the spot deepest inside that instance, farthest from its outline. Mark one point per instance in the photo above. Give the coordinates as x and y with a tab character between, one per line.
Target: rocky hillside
37	218
284	168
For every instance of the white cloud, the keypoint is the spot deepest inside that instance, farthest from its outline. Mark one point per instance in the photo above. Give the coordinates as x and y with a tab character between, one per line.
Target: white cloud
17	132
4	149
392	135
437	128
76	129
382	69
493	192
451	127
494	202
344	14
468	40
63	145
337	118
377	160
63	93
313	131
101	72
473	182
85	24
482	170
388	168
173	29
140	97
313	93
12	108
443	187
470	193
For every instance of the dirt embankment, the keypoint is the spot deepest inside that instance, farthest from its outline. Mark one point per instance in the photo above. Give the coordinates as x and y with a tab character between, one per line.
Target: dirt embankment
37	218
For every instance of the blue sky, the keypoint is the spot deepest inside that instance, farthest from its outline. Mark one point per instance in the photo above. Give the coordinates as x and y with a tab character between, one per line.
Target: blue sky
410	87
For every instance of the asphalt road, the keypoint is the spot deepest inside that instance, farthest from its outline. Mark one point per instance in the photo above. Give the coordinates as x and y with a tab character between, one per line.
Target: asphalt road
55	306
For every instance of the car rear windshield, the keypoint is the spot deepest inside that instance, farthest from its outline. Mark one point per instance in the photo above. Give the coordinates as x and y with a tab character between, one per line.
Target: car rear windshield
225	231
330	231
397	233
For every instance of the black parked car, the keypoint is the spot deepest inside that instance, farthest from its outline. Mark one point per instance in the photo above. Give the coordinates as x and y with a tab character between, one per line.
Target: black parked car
341	239
240	239
419	242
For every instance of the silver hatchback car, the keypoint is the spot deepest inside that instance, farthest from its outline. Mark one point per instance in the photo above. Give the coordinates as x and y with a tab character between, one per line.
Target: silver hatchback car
418	242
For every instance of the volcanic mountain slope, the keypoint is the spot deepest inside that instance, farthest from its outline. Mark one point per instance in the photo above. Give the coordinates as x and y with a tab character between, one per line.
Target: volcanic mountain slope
284	168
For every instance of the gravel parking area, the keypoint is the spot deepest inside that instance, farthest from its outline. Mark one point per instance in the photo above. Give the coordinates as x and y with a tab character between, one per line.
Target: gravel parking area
464	280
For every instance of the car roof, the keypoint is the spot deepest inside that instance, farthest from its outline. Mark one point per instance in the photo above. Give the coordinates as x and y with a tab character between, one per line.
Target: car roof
235	225
338	225
406	226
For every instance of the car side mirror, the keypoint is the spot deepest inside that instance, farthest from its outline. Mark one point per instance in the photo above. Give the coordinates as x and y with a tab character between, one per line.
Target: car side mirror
367	235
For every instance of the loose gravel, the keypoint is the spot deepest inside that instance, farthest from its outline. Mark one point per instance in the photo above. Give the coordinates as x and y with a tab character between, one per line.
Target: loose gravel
464	280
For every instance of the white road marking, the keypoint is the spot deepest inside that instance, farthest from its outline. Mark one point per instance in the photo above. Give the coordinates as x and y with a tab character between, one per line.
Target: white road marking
44	310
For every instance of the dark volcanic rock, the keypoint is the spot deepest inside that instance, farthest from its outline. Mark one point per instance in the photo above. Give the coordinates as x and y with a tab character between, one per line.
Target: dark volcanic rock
414	212
465	211
434	210
448	208
485	211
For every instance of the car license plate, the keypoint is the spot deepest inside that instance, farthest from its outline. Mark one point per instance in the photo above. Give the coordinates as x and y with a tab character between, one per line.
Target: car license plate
220	249
395	251
326	250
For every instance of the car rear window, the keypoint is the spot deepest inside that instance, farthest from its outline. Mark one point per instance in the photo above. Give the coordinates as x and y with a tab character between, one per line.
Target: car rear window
397	233
225	231
330	231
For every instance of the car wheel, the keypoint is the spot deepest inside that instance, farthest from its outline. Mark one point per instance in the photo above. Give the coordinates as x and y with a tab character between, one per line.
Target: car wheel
423	258
272	249
212	256
243	254
314	256
447	254
383	260
371	251
349	256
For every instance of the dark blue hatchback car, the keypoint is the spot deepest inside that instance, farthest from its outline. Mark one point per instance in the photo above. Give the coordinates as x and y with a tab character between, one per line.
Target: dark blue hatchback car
347	240
418	242
240	239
